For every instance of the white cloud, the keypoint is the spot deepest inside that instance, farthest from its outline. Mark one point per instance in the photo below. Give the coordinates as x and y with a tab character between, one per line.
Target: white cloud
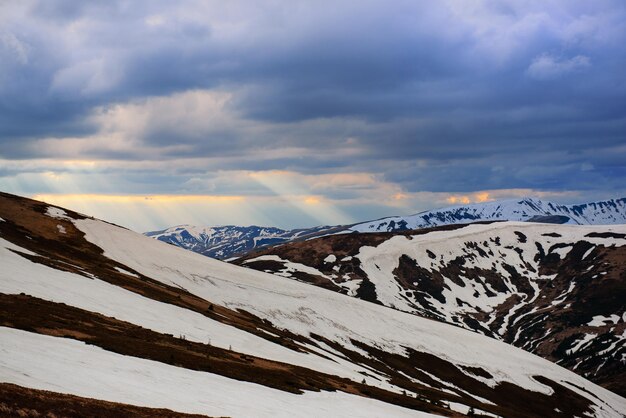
547	67
18	48
155	20
87	78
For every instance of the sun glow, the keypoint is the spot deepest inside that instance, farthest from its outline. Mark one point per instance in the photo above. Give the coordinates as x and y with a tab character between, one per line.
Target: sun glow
61	199
478	197
149	212
288	186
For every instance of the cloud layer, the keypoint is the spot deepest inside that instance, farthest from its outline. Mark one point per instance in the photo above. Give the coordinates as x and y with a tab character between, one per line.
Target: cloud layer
367	106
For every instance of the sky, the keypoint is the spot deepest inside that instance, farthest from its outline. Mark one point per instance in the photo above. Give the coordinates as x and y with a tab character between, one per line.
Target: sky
298	113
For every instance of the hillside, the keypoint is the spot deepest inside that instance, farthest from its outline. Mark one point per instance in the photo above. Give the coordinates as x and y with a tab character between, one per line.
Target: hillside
95	311
558	291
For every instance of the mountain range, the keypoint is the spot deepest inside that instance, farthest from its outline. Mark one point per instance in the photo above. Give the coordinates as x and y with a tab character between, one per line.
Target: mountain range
606	212
225	242
98	320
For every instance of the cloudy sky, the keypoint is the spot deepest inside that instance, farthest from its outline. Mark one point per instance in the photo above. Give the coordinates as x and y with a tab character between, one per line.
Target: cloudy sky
297	113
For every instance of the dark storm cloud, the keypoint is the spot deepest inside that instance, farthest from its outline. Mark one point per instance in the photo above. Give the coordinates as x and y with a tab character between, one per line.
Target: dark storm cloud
437	95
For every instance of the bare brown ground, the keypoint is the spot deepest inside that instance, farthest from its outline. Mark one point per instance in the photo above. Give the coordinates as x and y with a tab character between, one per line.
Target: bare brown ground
18	401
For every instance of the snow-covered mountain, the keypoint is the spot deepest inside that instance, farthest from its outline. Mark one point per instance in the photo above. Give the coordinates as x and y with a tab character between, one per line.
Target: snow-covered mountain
558	291
95	311
223	242
607	212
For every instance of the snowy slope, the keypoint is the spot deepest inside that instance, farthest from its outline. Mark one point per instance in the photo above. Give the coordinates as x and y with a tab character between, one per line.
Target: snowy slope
556	290
392	360
304	309
100	374
597	213
101	297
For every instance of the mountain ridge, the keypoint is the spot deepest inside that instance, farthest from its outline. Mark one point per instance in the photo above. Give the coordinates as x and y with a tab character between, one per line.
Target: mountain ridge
223	242
610	211
229	241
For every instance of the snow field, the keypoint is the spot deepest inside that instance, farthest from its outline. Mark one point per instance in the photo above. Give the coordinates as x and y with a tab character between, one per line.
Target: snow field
305	309
69	366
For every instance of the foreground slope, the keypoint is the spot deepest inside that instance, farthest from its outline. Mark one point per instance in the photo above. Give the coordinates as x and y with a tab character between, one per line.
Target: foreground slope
556	290
136	321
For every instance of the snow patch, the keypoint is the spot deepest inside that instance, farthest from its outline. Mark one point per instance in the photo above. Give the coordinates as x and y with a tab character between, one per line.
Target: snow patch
121	270
600	320
589	251
561	252
586	339
57	213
